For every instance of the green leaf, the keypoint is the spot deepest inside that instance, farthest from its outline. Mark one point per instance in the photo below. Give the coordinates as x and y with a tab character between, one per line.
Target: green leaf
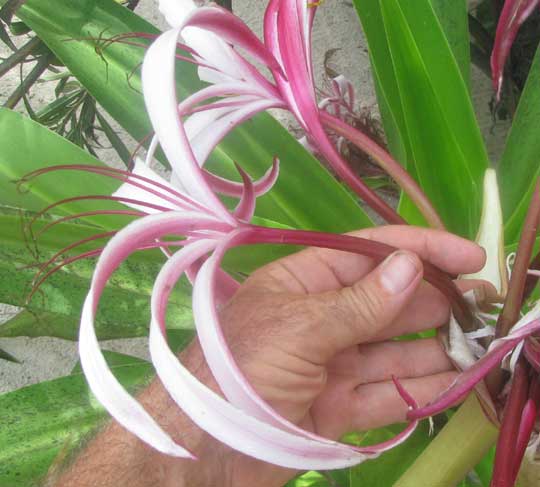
386	469
46	421
310	479
519	167
55	308
426	108
66	25
27	146
453	17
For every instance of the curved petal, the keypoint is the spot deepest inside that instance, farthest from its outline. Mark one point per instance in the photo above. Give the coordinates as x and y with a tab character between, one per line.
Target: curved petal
246	206
109	392
129	191
514	13
244	432
206	140
233	30
158	74
220	90
468	379
232	188
224	421
176	11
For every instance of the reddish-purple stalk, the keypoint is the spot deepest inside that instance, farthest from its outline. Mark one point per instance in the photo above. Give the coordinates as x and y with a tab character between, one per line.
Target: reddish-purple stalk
505	456
526	427
531	281
512	304
531	350
389	164
369	248
517	424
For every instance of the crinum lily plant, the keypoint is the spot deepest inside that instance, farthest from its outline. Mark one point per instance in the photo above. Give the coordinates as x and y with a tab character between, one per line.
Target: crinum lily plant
185	218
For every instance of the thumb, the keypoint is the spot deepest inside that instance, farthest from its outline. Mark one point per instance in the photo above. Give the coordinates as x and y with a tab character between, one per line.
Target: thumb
356	314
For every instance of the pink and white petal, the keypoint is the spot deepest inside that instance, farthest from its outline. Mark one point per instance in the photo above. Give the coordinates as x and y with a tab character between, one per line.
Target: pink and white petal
158	74
220	90
229	424
514	13
232	188
224	421
246	206
206	140
226	285
109	392
129	191
233	30
468	379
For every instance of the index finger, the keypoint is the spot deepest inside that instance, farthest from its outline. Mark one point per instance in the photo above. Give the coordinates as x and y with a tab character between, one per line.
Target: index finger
317	270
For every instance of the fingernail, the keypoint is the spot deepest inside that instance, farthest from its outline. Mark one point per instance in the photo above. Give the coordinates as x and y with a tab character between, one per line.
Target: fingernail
398	271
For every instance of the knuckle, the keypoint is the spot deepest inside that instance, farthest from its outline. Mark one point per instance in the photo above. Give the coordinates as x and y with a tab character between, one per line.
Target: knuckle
366	309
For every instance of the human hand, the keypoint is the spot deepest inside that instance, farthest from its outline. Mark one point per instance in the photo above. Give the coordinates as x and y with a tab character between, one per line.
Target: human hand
313	334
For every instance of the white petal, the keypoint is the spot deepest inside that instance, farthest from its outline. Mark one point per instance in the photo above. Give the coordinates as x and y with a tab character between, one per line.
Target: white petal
176	11
109	392
491	236
130	191
158	74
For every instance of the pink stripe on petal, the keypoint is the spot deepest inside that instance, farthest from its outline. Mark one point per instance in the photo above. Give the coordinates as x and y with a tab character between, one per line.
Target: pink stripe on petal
135	193
246	206
514	13
158	74
232	188
232	30
468	379
110	393
207	139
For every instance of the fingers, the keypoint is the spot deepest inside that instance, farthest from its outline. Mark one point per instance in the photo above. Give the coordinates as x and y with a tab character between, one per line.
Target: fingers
322	270
340	408
378	362
358	313
376	405
427	309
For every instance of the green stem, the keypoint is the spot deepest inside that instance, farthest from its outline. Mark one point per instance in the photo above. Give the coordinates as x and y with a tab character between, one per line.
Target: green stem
461	444
40	67
20	55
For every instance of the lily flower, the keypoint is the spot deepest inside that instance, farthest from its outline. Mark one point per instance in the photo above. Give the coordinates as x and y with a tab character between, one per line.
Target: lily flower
188	209
204	229
214	37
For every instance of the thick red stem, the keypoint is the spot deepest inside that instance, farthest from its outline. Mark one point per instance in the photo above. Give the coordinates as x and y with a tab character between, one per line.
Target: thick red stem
376	250
505	460
526	426
386	162
512	304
